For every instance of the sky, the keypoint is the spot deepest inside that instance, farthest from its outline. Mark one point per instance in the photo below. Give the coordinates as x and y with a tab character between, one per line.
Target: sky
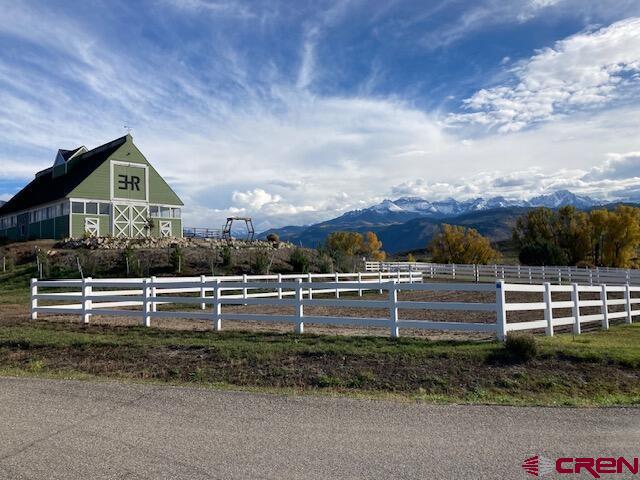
294	112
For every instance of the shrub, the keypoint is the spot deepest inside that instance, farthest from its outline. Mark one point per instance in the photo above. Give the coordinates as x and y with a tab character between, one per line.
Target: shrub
176	259
299	261
227	259
273	238
325	264
522	347
261	263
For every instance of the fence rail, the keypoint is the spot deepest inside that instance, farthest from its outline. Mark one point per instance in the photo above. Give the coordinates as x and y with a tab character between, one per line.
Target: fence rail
141	297
513	273
202	232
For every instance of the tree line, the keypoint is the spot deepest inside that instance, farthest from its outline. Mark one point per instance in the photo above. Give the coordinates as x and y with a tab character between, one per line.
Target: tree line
603	238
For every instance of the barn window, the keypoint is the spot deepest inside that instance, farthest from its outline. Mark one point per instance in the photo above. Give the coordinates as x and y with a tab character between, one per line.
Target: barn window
92	208
153	210
175	212
65	209
77	207
165	212
105	208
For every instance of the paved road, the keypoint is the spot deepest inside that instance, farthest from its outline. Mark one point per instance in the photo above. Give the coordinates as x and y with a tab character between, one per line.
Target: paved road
80	430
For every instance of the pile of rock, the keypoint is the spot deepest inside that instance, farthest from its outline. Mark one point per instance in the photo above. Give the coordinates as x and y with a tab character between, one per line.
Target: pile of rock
112	243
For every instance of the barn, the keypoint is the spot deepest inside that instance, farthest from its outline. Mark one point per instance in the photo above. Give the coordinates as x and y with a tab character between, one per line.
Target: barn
109	190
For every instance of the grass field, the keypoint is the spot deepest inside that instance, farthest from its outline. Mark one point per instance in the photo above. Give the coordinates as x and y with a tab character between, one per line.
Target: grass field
600	368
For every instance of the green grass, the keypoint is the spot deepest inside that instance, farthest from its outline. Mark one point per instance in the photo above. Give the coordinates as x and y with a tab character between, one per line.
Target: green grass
14	285
566	371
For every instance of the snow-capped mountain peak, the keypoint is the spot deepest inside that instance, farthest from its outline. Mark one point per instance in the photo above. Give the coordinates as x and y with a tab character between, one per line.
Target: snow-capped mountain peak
451	207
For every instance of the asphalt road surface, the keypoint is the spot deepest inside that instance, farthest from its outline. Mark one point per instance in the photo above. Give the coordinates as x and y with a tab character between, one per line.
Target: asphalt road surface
83	430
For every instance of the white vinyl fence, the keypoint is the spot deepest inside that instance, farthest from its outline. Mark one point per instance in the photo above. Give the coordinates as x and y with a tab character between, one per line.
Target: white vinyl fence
207	296
513	273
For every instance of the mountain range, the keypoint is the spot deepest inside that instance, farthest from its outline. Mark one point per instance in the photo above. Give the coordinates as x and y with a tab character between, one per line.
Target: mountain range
408	223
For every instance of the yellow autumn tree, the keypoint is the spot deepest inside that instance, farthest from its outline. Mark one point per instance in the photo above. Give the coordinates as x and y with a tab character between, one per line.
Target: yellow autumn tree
372	247
455	244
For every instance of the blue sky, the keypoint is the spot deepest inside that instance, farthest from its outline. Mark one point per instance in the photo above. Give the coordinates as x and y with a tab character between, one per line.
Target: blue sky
294	112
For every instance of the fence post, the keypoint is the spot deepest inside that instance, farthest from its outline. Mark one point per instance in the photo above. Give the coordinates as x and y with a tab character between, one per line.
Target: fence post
627	298
605	307
590	277
575	298
310	279
244	282
453	271
280	286
548	308
360	284
380	281
393	309
86	304
154	293
203	292
337	279
146	307
34	300
530	277
501	312
217	306
299	307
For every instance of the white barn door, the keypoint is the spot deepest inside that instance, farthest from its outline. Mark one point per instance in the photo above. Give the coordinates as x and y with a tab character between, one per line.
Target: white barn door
130	220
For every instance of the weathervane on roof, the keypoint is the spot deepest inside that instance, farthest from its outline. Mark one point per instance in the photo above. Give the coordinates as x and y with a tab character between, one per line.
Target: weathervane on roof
128	128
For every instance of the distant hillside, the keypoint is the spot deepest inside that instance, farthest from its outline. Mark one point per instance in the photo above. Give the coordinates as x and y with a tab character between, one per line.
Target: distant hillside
409	235
409	223
414	234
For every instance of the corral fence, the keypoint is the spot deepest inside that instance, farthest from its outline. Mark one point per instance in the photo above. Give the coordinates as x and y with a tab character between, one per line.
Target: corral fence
513	273
206	298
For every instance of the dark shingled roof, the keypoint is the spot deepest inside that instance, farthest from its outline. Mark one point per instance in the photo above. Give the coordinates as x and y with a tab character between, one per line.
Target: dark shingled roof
44	188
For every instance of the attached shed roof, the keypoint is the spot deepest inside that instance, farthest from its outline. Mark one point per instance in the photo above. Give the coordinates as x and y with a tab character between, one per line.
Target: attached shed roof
46	188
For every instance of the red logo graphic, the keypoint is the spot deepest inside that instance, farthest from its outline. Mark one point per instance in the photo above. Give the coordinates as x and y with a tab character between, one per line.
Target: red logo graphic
538	466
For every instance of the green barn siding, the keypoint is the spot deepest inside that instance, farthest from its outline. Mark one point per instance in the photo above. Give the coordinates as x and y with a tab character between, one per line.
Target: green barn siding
55	228
10	233
77	224
47	228
95	186
62	227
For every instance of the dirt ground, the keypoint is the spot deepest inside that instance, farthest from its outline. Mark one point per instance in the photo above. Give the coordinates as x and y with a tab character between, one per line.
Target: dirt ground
10	314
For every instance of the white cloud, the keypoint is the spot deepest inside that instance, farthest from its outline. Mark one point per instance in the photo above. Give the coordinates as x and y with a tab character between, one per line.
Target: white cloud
588	69
482	14
256	198
618	166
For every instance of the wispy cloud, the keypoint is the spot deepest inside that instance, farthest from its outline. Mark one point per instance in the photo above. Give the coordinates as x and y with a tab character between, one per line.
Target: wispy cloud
586	70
